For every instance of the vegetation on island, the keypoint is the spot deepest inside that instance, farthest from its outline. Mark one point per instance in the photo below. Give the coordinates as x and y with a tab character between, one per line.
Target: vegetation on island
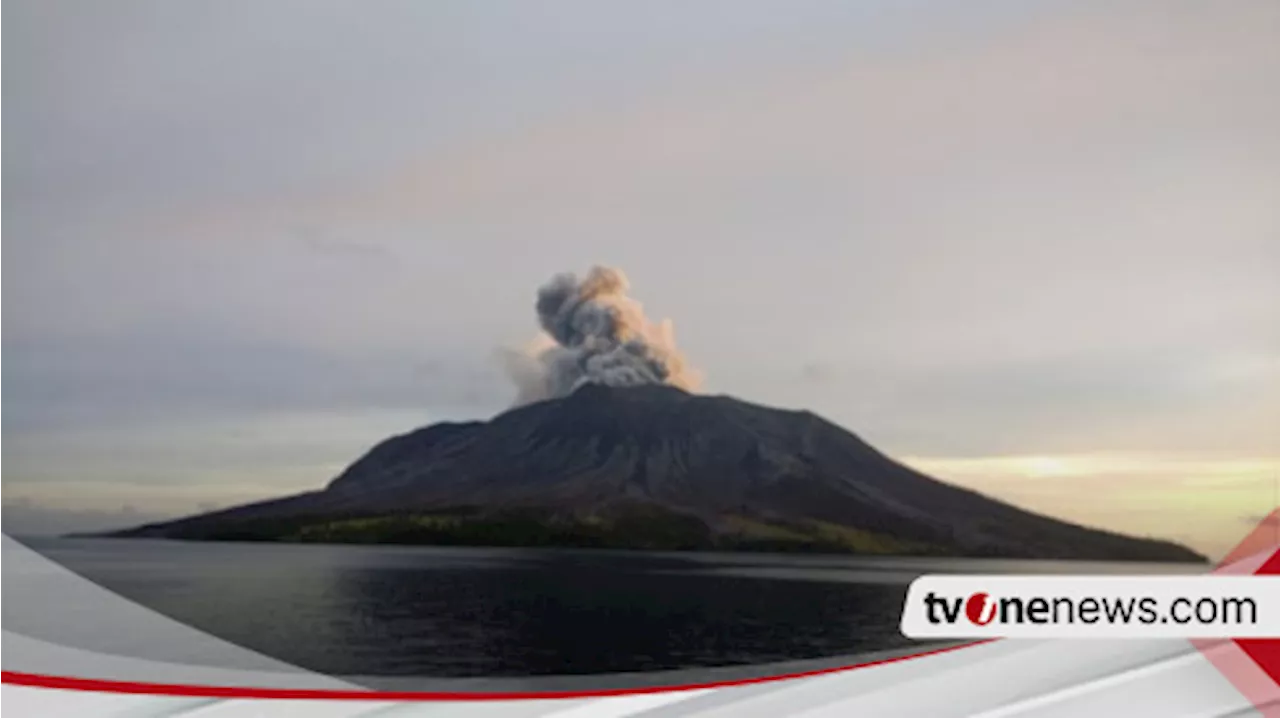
643	528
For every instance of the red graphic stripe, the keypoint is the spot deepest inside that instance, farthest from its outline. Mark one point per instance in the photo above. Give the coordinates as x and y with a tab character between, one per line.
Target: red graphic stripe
196	691
1254	667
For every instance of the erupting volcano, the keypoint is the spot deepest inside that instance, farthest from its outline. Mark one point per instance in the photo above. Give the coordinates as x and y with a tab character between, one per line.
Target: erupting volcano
607	447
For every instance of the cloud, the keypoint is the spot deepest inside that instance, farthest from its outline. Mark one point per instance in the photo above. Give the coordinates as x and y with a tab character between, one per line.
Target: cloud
818	373
22	517
991	231
321	242
1095	80
1196	497
193	371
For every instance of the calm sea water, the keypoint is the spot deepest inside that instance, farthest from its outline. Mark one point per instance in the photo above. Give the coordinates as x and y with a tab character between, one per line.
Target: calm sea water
427	611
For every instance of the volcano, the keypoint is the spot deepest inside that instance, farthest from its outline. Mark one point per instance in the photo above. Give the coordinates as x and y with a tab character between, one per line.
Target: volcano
655	467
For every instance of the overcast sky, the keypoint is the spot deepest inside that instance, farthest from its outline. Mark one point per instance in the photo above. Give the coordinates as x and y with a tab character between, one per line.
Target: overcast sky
1031	247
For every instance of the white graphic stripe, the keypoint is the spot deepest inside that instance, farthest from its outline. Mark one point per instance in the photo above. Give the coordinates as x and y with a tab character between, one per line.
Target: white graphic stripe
627	705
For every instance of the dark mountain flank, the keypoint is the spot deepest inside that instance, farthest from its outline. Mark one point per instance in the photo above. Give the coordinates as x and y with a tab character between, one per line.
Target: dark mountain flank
655	467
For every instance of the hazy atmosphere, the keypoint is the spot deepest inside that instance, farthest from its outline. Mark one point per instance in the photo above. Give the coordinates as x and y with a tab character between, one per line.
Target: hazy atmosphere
1030	248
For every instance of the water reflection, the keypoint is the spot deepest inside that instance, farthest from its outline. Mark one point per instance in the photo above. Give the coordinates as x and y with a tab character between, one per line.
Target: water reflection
454	612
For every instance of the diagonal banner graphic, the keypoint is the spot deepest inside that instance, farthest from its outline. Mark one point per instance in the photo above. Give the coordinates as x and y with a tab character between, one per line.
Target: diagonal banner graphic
1054	677
1252	665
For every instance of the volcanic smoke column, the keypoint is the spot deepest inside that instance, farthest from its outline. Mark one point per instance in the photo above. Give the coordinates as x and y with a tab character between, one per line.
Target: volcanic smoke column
595	333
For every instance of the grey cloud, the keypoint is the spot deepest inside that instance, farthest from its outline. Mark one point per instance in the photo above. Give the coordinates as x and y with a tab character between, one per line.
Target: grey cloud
818	373
143	374
884	214
322	242
601	336
24	517
1153	400
242	99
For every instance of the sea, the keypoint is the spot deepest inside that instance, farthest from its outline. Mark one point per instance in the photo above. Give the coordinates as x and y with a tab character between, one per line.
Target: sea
379	610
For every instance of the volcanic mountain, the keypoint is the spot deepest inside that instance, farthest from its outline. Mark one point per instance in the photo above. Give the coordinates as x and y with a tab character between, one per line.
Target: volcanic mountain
655	467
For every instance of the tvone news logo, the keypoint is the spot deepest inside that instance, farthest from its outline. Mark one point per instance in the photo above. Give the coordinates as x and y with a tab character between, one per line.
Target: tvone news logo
981	609
1084	606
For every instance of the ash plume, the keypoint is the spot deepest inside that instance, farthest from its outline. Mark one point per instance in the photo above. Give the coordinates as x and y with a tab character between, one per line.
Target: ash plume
594	333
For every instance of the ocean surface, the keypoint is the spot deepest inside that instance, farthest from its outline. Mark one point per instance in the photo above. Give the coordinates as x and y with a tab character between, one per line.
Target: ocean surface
455	612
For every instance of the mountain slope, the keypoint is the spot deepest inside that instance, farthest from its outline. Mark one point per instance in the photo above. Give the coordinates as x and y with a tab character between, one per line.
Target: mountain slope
655	467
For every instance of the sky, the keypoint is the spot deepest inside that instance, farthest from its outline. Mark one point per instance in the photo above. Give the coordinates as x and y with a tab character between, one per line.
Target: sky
1029	247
